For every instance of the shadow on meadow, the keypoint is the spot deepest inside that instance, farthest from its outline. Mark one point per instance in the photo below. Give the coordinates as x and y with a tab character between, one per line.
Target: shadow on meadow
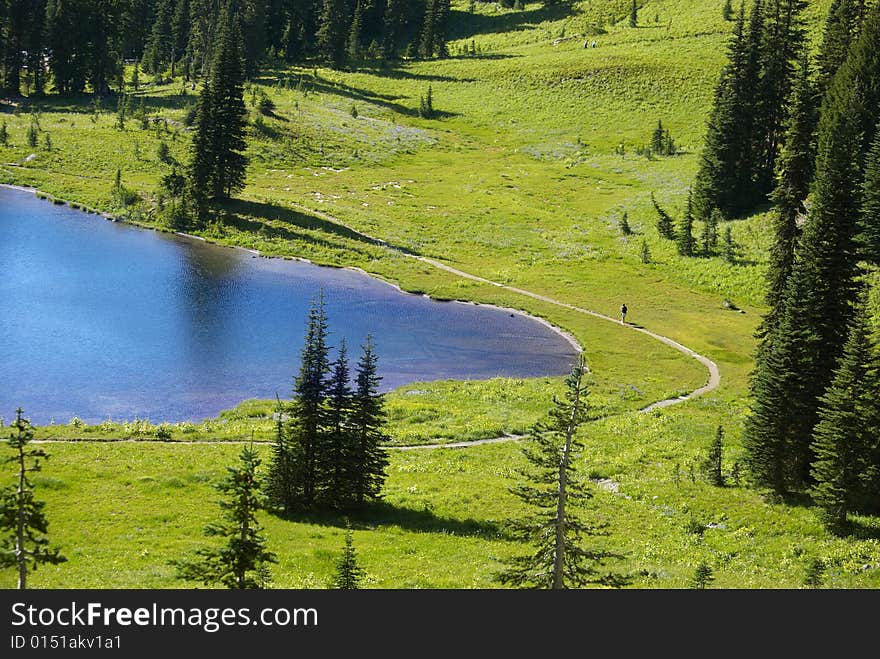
463	24
241	210
382	513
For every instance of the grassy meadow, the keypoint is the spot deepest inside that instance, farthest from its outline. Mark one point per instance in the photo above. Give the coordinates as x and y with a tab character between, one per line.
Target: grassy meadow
522	179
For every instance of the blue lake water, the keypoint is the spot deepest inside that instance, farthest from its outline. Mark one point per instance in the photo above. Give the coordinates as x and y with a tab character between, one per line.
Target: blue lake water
103	320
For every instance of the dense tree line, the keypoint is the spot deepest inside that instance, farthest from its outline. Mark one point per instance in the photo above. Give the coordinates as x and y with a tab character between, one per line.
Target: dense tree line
815	387
75	45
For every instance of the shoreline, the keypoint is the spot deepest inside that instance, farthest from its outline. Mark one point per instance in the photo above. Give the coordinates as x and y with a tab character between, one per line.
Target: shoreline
565	334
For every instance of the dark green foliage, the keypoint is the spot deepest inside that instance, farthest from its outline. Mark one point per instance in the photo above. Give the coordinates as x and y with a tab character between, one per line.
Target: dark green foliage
702	576
815	573
709	235
645	252
265	104
729	246
634	14
727	10
665	225
23	522
163	153
662	143
625	229
367	425
329	453
684	236
349	575
426	104
218	164
242	561
798	367
847	435
332	35
432	40
135	76
869	218
841	27
4	134
554	492
746	124
712	464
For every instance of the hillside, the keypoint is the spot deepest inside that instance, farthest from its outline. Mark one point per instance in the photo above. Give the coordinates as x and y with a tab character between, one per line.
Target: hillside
522	178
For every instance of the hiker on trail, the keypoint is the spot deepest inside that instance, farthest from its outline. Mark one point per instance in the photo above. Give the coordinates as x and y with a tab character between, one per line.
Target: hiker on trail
623	314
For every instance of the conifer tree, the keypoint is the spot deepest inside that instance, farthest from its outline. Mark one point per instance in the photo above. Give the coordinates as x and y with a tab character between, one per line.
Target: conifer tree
658	138
554	491
354	34
712	465
684	237
729	246
242	561
634	14
333	32
821	290
308	423
815	574
727	10
23	522
4	134
338	453
665	226
367	425
793	183
845	438
625	229
280	486
702	576
645	252
218	164
841	27
349	575
869	217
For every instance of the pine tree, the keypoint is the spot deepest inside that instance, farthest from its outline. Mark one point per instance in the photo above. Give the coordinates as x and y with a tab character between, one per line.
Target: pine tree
354	35
349	575
665	226
241	562
308	425
23	522
702	576
337	466
280	486
712	465
645	252
821	289
658	138
333	32
553	490
625	229
4	134
634	14
869	217
218	164
845	438
841	27
727	11
729	246
793	182
684	237
135	76
367	425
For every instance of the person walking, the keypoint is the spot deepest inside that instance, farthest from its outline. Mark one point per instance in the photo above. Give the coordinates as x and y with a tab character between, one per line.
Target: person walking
623	314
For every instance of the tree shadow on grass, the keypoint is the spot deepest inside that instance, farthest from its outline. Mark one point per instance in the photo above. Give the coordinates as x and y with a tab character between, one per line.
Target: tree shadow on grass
465	24
382	513
289	217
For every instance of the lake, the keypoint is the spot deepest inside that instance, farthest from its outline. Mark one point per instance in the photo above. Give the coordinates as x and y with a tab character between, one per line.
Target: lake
104	320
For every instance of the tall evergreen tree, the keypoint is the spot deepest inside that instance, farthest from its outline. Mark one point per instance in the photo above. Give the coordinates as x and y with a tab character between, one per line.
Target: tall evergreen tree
712	465
553	490
846	437
684	238
23	522
333	32
281	491
218	164
367	425
869	217
241	562
338	454
841	27
307	427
